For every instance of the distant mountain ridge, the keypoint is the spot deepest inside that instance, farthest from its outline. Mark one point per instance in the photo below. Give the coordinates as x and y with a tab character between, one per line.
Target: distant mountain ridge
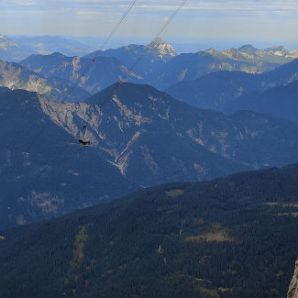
145	60
15	76
272	54
17	48
159	65
91	75
10	50
156	48
192	66
49	44
281	102
221	90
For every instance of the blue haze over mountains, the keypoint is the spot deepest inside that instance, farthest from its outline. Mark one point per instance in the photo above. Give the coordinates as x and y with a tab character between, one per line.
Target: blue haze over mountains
128	122
152	116
239	75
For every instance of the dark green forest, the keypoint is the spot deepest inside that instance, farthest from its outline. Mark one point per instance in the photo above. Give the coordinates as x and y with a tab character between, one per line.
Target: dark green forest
232	237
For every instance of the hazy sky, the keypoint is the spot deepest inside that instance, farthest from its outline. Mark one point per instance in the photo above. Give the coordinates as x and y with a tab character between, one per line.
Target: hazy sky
272	21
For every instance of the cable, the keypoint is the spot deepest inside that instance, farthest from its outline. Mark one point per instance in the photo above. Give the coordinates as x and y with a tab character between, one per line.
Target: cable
122	19
105	42
113	31
116	27
171	18
162	30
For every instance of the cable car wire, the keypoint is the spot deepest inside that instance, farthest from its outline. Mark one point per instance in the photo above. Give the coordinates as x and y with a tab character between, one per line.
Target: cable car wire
124	16
158	35
116	27
27	149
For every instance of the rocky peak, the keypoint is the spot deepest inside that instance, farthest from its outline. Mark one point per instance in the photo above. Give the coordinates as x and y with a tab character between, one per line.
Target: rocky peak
277	51
248	48
163	48
277	48
293	288
141	98
213	52
2	37
5	42
294	53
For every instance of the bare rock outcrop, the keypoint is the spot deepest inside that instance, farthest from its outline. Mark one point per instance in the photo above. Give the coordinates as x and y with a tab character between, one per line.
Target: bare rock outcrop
293	288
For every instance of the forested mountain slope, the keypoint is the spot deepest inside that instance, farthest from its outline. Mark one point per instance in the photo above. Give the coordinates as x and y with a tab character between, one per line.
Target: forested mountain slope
232	237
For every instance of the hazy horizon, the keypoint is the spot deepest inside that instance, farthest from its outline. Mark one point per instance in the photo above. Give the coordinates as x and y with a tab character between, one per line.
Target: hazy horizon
94	42
200	24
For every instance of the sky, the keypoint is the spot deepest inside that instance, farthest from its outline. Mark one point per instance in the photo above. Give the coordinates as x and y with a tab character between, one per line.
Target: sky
200	21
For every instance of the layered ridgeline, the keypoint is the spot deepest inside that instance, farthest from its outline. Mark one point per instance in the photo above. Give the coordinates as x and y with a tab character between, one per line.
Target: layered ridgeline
281	102
91	75
50	44
20	47
139	137
15	76
161	67
10	50
231	91
156	64
192	66
229	238
146	60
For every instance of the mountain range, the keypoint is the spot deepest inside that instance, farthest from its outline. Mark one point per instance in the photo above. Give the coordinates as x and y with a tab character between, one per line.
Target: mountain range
91	75
50	44
87	139
161	66
10	50
192	66
281	102
139	137
156	64
145	60
228	238
208	79
17	48
231	91
14	76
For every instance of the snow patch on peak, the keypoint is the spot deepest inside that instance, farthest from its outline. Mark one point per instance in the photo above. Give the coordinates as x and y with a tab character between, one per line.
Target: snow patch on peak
163	48
6	43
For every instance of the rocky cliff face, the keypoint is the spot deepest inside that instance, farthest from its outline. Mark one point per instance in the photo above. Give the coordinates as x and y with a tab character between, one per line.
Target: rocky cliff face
293	288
